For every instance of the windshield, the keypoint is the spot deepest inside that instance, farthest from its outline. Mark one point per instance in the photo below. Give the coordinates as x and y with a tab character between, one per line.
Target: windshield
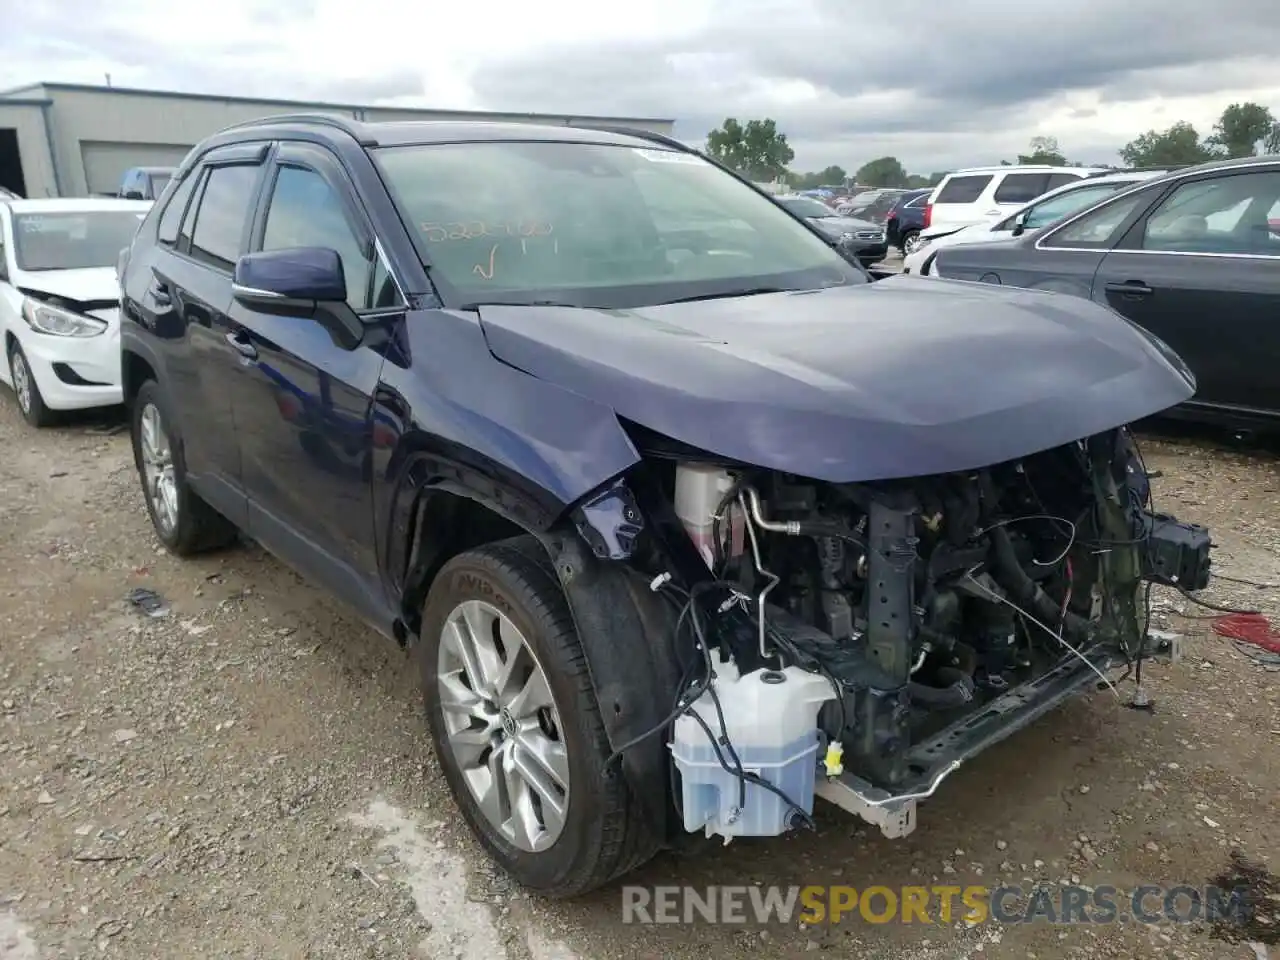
72	241
807	207
596	225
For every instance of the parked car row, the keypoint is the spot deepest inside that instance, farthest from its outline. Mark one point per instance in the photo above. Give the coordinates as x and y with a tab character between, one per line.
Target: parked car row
1192	256
864	239
1050	208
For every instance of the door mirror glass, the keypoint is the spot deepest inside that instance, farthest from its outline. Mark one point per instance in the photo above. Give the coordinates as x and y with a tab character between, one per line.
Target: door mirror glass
1020	224
305	275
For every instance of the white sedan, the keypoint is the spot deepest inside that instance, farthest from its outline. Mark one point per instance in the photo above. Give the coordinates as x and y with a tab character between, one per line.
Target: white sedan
1040	212
59	300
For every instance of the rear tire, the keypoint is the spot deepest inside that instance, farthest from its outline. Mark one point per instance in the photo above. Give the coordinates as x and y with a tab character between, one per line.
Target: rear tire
907	243
485	599
26	391
185	524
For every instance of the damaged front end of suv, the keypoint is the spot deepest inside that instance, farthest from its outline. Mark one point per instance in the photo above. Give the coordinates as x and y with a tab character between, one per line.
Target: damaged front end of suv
843	585
859	641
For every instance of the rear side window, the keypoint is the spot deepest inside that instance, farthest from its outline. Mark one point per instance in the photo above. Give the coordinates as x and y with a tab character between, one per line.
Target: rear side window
919	201
1021	187
966	189
171	218
223	214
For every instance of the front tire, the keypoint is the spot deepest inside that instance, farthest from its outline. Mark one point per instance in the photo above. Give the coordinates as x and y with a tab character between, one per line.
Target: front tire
30	401
516	726
185	524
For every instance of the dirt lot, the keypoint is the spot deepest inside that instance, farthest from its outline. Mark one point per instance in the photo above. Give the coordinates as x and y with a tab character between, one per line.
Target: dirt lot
249	776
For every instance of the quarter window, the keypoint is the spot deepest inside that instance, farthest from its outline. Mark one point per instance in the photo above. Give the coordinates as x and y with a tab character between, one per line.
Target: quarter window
1228	214
965	189
223	214
306	212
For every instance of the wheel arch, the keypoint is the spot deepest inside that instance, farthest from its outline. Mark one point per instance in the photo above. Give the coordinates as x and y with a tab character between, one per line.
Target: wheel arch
137	366
626	629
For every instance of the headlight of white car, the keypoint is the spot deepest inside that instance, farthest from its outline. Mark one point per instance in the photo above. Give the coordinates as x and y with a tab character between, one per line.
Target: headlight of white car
58	321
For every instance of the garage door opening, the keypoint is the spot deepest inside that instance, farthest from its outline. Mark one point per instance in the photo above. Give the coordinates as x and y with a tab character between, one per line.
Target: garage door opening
11	163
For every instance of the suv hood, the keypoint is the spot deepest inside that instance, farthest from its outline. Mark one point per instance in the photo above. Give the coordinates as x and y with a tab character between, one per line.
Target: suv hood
902	377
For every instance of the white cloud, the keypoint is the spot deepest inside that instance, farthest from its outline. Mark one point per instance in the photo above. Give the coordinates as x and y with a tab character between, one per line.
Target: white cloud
968	82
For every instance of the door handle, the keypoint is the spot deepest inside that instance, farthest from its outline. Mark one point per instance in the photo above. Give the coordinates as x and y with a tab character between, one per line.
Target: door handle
242	346
1130	288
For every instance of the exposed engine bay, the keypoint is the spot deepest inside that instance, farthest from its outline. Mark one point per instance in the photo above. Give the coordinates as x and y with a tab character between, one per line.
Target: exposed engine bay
860	641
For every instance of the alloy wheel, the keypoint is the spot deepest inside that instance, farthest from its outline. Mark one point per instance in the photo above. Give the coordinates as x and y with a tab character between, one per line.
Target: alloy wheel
910	245
21	378
157	468
503	726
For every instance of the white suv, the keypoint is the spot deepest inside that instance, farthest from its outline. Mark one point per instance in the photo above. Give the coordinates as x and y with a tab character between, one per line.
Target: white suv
985	194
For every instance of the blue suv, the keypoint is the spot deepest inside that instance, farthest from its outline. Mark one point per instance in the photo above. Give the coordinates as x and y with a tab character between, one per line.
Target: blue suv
618	447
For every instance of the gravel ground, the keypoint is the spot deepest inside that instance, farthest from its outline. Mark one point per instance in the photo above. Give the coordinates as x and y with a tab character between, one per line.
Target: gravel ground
249	776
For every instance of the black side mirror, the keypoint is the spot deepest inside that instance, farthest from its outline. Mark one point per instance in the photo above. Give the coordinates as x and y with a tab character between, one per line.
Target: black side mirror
303	282
133	195
1020	224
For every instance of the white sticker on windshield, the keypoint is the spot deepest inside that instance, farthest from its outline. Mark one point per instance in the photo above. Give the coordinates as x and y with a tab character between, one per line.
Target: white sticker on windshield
667	156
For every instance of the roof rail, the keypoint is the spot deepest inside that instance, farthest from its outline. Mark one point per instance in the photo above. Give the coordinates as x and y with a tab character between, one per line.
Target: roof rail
641	134
320	119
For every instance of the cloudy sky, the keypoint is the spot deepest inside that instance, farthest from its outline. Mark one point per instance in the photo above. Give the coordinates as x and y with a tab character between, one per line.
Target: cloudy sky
937	84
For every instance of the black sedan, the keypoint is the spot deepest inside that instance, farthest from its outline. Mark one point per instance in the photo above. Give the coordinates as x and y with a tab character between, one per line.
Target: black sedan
864	239
1193	257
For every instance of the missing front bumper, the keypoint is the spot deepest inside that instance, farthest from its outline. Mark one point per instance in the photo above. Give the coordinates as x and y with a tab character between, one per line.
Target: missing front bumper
931	761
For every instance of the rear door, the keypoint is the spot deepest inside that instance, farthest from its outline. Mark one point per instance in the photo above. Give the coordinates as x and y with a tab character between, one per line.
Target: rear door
1202	272
181	294
302	403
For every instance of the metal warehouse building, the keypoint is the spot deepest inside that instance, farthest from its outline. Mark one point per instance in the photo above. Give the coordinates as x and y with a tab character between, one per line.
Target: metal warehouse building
67	140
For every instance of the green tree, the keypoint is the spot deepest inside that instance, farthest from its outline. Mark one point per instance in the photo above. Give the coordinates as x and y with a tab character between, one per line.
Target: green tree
757	150
935	178
1164	148
832	175
883	172
1241	128
1044	150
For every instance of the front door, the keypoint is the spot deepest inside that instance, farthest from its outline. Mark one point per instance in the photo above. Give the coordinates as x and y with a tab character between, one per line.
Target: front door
1202	272
302	403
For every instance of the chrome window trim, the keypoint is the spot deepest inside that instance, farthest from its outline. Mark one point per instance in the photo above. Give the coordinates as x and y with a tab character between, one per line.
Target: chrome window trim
381	255
1041	243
